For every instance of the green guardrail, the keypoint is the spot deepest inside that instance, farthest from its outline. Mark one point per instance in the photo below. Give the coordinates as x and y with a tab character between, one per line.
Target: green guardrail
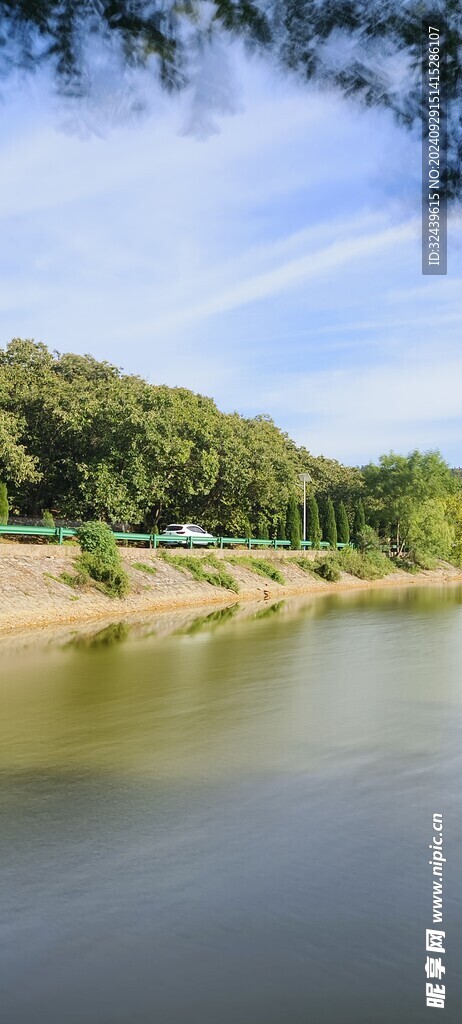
159	539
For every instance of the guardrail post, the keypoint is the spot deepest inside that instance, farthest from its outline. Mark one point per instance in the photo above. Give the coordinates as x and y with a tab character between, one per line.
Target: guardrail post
190	542
60	535
249	542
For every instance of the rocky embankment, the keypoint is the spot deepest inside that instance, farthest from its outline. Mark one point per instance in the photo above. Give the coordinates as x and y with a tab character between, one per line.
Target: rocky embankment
33	594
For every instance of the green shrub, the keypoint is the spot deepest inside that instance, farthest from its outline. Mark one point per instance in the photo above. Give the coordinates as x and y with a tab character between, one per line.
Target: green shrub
371	565
70	580
424	561
304	563
221	576
170	559
110	575
406	565
98	539
4	506
327	569
100	559
199	569
368	540
47	519
144	567
262	566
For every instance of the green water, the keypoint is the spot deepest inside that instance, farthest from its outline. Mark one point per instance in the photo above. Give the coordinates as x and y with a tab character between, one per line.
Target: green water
230	822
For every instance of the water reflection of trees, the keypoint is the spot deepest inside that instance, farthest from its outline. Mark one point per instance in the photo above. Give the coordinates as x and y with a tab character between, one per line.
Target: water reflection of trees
115	633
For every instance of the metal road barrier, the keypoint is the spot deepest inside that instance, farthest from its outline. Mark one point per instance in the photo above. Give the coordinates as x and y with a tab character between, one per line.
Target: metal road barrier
156	540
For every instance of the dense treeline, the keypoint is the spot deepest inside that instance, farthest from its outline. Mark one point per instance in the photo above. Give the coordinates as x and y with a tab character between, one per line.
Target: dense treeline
83	440
80	438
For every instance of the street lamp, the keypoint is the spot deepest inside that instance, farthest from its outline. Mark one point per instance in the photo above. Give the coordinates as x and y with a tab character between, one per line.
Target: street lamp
305	479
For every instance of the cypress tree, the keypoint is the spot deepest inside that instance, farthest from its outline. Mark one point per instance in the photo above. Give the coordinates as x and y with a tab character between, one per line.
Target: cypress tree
359	521
343	526
281	529
313	527
331	525
4	507
293	529
262	529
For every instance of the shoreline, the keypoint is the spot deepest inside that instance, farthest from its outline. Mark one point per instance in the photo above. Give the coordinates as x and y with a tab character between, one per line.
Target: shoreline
33	597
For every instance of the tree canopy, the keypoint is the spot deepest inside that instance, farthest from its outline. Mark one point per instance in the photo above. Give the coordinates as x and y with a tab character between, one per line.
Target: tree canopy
86	440
370	52
82	440
402	491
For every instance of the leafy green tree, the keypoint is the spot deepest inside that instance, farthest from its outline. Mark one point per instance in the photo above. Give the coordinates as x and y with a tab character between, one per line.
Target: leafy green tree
427	530
330	478
293	525
79	436
400	484
331	525
343	526
16	465
313	526
4	507
453	507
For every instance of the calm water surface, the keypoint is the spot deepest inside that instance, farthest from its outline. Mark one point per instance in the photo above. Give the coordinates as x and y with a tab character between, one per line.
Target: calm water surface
230	824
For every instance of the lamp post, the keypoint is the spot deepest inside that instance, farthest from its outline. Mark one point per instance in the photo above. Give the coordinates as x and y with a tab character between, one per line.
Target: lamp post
306	479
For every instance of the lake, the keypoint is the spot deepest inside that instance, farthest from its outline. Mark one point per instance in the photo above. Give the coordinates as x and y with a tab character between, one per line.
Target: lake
230	823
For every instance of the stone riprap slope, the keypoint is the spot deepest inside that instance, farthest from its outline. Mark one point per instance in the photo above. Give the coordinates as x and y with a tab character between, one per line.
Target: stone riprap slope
32	592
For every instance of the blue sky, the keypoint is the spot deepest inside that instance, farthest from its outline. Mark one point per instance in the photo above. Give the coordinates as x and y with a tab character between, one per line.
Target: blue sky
254	240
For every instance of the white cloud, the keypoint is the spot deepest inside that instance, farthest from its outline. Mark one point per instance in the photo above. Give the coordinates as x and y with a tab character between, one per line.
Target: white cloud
289	274
355	414
273	266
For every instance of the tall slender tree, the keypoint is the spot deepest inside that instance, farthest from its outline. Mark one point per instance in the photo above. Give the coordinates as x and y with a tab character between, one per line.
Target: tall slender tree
343	526
262	527
293	525
281	529
331	525
359	521
314	529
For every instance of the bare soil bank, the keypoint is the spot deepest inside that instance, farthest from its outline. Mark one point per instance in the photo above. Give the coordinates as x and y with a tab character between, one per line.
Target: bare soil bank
32	594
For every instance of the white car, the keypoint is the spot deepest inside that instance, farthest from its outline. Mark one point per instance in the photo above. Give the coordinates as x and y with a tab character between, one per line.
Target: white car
180	533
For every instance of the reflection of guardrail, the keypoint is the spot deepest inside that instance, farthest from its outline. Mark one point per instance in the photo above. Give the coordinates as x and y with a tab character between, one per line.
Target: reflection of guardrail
155	540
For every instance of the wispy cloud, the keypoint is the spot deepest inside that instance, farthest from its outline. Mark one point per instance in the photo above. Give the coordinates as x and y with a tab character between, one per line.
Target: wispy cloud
275	266
291	274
